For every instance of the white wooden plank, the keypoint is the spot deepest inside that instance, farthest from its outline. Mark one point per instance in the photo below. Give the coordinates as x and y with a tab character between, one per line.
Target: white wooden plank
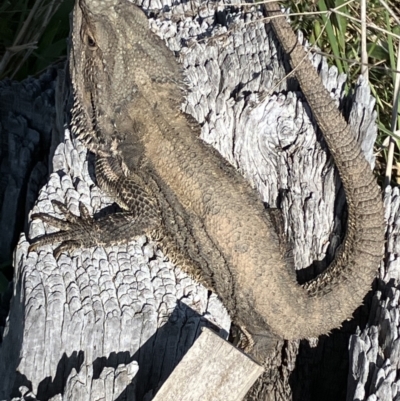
212	370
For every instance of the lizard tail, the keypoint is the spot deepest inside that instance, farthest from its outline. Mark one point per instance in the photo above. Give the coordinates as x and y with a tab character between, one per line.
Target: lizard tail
335	294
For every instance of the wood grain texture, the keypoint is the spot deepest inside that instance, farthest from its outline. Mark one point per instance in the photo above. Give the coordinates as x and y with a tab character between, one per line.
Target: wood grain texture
211	370
27	114
76	324
375	350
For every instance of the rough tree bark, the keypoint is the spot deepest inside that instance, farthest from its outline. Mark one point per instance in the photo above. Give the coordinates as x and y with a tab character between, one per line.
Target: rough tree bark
80	327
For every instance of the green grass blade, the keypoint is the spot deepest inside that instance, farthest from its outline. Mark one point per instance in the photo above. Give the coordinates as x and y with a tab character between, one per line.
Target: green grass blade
331	35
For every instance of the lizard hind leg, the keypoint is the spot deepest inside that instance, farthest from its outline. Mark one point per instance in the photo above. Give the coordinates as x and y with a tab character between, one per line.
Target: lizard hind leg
259	345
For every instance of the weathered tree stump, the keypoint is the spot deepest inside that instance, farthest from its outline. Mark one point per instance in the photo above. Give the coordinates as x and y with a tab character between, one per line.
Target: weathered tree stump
80	327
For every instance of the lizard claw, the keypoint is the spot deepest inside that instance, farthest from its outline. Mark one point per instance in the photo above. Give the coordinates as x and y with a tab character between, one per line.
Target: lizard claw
85	232
74	230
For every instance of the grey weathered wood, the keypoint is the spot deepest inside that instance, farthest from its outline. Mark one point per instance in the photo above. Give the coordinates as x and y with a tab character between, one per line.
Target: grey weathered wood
27	115
76	323
375	350
211	370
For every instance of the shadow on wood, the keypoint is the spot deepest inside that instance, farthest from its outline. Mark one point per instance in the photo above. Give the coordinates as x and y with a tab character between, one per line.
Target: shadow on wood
154	358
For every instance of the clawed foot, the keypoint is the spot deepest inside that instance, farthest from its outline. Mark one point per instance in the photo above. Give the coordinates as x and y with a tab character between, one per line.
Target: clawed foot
76	231
259	346
242	338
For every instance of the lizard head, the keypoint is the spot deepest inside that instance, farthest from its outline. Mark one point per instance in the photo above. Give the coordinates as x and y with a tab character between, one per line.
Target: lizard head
114	60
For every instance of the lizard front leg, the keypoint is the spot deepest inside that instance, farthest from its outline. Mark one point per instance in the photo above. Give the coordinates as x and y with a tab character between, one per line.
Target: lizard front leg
140	216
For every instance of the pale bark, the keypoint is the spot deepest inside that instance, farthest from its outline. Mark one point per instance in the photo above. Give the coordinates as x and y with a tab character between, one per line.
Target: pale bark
79	327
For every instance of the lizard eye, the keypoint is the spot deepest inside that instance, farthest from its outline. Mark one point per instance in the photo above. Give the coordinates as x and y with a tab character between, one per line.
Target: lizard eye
91	42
